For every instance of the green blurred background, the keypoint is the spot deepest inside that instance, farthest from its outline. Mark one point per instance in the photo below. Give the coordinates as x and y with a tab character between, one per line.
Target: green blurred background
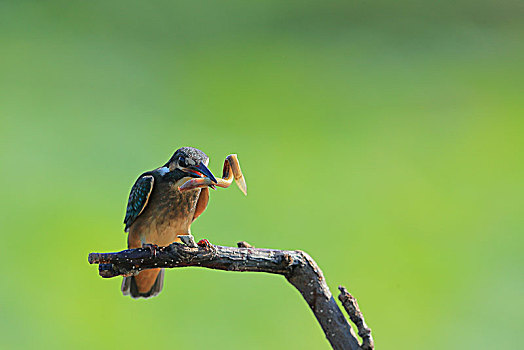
383	138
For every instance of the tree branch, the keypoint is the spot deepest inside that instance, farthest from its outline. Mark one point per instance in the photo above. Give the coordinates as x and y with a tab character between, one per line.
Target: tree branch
298	267
351	306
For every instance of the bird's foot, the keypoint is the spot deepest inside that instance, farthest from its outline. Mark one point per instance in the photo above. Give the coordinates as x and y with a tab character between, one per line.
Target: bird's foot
188	240
153	248
204	243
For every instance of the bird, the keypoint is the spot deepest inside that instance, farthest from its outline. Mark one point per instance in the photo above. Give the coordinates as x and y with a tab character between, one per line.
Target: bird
163	204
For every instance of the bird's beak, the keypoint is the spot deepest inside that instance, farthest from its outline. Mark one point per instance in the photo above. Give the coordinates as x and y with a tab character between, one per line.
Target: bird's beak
202	169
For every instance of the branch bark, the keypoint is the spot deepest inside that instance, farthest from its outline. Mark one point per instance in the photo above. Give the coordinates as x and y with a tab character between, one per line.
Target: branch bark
296	266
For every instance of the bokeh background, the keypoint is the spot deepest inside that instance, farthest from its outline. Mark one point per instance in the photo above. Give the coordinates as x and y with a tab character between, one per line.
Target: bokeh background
383	138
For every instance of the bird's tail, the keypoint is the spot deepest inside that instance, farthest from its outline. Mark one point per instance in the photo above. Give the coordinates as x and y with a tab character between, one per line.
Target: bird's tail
146	284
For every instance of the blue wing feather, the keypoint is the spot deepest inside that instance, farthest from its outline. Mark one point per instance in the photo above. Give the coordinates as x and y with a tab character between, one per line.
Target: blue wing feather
138	198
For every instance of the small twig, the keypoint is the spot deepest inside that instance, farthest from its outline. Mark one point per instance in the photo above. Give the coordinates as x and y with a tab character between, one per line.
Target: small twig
244	244
350	304
299	269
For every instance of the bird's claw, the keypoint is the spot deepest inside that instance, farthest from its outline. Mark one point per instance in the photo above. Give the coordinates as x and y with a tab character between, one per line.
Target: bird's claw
204	243
153	248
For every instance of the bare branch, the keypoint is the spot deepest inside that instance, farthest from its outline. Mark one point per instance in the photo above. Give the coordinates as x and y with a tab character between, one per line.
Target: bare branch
351	306
298	267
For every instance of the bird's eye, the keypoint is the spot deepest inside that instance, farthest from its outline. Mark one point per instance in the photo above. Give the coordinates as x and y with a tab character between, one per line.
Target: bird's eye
182	161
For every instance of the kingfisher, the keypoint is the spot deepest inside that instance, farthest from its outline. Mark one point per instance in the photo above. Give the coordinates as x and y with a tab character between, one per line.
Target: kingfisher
163	204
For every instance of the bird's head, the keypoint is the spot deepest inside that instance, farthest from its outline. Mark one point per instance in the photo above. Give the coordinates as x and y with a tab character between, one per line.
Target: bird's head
191	162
